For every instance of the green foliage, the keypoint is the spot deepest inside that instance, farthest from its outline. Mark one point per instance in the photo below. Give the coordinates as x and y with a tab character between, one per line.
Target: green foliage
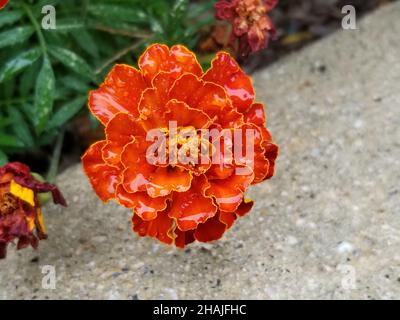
45	75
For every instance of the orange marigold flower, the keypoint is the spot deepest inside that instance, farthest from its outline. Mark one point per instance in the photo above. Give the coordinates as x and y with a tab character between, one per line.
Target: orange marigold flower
20	213
251	26
3	3
178	202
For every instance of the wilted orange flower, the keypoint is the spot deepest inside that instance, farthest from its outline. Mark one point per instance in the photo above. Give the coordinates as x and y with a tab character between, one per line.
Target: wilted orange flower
20	214
251	26
181	202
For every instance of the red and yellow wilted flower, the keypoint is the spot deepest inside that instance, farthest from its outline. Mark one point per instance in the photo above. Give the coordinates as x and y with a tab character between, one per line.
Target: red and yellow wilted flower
251	26
181	202
20	214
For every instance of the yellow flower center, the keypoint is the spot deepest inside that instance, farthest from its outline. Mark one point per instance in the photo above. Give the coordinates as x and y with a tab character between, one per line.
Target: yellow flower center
182	145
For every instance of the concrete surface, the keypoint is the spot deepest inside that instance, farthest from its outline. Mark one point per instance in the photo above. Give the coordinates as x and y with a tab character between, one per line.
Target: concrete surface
327	226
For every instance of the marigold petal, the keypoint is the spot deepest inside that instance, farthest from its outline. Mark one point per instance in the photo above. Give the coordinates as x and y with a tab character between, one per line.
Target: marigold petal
165	180
186	116
15	168
152	108
176	60
258	35
261	166
164	81
25	241
226	72
228	218
103	178
250	150
18	224
137	168
208	97
140	175
159	116
271	153
159	228
224	10
255	114
144	206
5	178
120	92
40	225
56	194
119	132
222	158
220	171
22	193
193	206
229	192
183	238
244	207
212	229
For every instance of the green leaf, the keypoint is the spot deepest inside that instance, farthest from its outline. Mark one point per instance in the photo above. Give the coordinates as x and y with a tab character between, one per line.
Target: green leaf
61	92
179	8
28	78
4	121
119	12
9	17
48	138
20	127
55	38
73	61
18	63
75	83
66	112
86	42
15	35
3	158
8	89
68	24
44	96
155	25
10	141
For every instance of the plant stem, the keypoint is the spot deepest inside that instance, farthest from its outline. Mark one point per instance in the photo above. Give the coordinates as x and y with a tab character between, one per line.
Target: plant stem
55	158
37	28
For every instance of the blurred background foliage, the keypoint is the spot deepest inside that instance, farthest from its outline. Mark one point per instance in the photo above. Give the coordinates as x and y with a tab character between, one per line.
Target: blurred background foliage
45	75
